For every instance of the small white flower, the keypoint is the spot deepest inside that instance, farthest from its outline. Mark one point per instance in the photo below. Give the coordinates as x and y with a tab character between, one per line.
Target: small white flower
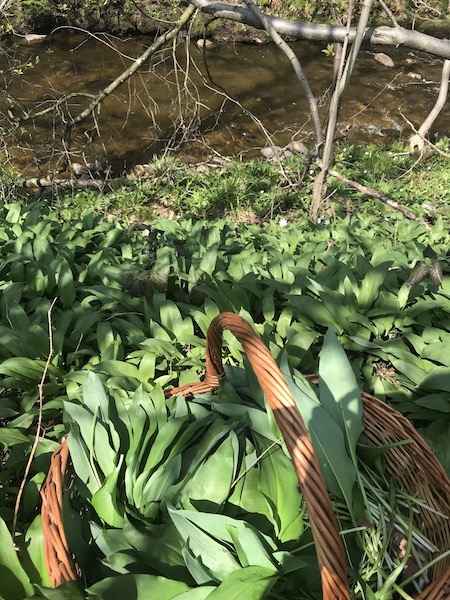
282	223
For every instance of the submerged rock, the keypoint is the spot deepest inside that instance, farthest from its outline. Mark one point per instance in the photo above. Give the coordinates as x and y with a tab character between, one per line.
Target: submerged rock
298	148
384	59
89	170
271	152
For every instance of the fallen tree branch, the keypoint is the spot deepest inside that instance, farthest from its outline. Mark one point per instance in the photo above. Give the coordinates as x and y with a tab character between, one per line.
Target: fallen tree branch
374	194
40	183
379	36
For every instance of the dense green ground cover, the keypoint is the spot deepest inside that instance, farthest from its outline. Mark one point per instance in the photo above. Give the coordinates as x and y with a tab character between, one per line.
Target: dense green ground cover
129	309
260	192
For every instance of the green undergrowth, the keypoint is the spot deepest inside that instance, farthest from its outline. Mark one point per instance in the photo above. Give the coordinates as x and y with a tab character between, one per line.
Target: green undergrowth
260	191
197	498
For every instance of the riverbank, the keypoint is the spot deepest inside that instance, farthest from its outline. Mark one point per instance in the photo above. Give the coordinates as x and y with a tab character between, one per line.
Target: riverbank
258	191
128	17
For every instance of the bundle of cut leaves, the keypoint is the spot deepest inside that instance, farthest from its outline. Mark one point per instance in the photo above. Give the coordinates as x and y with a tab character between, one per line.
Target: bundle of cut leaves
198	498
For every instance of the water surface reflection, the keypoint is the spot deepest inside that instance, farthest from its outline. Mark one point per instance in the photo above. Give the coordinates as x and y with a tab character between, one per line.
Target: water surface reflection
193	107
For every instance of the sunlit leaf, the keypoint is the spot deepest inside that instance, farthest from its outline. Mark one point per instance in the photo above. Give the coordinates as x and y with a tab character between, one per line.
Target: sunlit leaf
252	583
339	392
15	583
216	558
136	587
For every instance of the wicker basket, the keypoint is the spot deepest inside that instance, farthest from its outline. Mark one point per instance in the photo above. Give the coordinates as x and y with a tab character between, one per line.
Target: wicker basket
413	467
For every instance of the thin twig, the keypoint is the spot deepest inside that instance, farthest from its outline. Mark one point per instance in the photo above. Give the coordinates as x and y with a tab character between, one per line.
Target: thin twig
389	13
279	41
256	461
39	421
374	194
136	65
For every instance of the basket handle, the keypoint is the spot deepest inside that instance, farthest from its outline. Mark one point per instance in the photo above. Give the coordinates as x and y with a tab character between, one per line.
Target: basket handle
60	563
329	547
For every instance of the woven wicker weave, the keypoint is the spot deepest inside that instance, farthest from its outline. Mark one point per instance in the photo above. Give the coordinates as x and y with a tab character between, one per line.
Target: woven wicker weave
413	467
60	563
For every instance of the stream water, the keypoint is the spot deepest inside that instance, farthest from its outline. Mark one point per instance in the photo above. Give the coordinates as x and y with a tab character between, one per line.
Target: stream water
196	101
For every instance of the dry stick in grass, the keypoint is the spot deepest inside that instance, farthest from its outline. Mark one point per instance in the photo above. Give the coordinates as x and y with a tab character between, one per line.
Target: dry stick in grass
374	194
39	421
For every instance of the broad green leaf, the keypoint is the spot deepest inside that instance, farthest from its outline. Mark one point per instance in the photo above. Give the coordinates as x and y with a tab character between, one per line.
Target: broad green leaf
159	481
106	500
108	343
196	568
250	547
94	395
25	369
209	260
439	402
34	542
221	527
403	295
364	343
69	590
257	418
200	593
212	480
163	441
251	583
437	435
82	462
216	558
136	587
315	312
326	435
66	286
247	494
437	379
159	546
11	437
109	541
95	436
339	392
371	285
279	484
118	368
14	582
268	305
438	352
